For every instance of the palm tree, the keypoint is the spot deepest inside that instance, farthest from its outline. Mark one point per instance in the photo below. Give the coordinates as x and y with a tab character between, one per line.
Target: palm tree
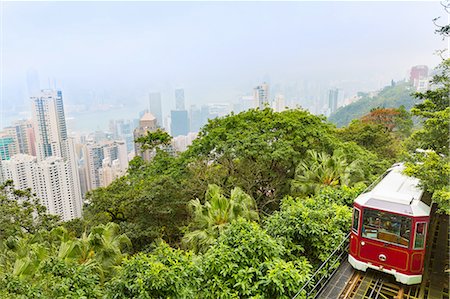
322	169
210	219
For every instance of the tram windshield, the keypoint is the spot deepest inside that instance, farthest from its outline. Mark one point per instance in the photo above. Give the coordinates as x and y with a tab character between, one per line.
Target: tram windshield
386	227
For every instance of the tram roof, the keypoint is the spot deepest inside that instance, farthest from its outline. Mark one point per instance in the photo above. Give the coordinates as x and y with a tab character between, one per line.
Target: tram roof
397	193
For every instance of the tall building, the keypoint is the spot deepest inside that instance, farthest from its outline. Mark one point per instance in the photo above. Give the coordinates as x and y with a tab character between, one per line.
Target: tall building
418	77
93	157
179	99
8	147
418	72
195	119
147	123
51	180
155	107
123	130
261	95
53	174
49	124
17	139
333	100
179	122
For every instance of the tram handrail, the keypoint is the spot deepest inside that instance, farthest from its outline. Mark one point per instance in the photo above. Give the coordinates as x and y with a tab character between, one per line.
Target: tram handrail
313	277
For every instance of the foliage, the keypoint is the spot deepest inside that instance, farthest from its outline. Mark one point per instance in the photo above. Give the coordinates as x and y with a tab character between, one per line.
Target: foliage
146	207
311	227
373	137
56	279
246	263
433	171
431	164
434	111
392	119
210	219
165	273
321	169
258	151
389	97
26	257
154	139
21	212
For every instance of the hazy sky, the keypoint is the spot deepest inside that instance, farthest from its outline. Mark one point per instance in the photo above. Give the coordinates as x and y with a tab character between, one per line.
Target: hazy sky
215	50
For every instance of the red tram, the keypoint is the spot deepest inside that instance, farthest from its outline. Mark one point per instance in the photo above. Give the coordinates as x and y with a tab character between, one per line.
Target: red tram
389	228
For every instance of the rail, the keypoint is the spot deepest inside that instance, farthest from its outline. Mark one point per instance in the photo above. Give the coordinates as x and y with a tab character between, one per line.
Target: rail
325	272
377	285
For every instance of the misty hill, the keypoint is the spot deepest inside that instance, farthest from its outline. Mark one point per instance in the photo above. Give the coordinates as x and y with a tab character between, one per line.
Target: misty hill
388	97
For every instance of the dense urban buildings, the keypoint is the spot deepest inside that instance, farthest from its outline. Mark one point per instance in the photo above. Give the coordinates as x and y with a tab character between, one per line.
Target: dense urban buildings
53	174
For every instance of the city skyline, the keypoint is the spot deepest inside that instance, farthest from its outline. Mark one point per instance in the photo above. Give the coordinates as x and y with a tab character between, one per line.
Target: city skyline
117	53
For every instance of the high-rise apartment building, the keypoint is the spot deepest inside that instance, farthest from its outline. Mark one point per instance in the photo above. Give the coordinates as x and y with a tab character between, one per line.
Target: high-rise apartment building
155	107
49	124
333	100
8	147
261	95
51	180
53	174
179	122
418	77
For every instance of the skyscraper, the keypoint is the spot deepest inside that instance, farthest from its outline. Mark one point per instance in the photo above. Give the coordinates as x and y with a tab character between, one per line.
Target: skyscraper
53	176
155	107
261	95
179	122
333	99
50	124
179	99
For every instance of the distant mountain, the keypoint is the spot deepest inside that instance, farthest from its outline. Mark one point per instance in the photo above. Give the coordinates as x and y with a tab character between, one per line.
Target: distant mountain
389	97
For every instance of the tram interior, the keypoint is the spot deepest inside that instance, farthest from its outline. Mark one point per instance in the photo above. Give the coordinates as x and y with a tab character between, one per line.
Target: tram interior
386	227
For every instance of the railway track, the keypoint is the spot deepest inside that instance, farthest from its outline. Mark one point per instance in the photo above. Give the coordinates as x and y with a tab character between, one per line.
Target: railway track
373	285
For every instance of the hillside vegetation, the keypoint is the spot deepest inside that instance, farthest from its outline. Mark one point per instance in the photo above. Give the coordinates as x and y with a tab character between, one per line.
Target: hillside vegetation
389	97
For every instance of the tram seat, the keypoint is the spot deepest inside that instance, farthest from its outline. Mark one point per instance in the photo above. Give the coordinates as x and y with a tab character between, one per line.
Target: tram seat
392	238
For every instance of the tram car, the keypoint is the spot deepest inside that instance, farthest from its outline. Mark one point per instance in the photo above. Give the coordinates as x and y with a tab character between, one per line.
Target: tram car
389	227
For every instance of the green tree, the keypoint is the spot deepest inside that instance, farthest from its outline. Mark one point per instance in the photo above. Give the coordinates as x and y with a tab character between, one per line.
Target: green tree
258	150
165	273
153	140
374	137
21	212
211	218
389	97
434	112
320	170
432	166
247	263
311	227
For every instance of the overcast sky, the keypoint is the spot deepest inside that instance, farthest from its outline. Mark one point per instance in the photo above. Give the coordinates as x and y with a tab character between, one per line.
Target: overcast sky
215	50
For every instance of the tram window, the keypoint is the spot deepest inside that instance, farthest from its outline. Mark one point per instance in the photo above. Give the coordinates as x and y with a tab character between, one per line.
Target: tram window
386	227
355	226
419	239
